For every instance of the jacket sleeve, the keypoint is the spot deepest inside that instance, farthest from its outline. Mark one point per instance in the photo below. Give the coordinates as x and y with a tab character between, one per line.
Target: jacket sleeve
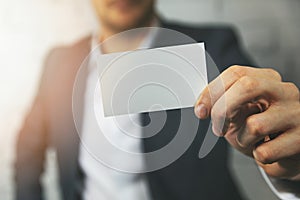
31	147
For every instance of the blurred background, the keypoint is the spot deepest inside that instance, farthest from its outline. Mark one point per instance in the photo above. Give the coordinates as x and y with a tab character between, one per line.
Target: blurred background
269	30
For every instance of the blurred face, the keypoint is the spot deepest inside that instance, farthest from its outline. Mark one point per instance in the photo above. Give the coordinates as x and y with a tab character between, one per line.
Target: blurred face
120	15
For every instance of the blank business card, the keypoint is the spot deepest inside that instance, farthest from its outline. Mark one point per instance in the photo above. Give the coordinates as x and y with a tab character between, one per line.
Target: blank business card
149	80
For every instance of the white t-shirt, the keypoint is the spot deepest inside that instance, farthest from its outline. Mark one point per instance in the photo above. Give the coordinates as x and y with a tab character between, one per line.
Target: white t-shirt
102	182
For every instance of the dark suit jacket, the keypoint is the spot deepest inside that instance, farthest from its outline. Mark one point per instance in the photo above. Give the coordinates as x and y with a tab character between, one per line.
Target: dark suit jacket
50	124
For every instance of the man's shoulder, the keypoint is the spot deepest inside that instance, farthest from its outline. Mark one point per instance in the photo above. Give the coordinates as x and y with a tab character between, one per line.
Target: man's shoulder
64	61
66	53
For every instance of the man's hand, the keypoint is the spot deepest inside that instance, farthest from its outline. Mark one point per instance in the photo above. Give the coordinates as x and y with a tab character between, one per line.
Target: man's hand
259	115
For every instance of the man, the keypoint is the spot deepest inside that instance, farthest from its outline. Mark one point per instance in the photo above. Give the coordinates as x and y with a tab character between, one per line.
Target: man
254	95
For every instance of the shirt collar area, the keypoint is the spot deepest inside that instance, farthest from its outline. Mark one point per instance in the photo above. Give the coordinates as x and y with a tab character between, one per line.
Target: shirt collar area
146	43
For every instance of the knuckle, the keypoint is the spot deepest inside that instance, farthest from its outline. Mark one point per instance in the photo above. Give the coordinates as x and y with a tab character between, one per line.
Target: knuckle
292	90
263	155
255	126
248	83
234	67
237	70
275	74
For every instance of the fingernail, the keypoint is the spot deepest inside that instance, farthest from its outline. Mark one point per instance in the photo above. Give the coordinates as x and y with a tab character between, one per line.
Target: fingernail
216	132
201	111
255	155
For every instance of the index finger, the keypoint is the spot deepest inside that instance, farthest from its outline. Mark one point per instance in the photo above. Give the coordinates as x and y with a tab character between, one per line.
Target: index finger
222	83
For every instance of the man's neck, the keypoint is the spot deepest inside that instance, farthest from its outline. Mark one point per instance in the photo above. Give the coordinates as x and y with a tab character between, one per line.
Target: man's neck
124	42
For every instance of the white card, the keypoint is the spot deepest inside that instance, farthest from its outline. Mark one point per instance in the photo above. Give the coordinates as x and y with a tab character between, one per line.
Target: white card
151	80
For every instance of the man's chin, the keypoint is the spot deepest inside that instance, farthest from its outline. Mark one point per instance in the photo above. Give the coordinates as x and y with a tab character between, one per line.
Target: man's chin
124	26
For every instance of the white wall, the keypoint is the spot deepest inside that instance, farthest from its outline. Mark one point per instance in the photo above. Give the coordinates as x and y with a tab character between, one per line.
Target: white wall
28	29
